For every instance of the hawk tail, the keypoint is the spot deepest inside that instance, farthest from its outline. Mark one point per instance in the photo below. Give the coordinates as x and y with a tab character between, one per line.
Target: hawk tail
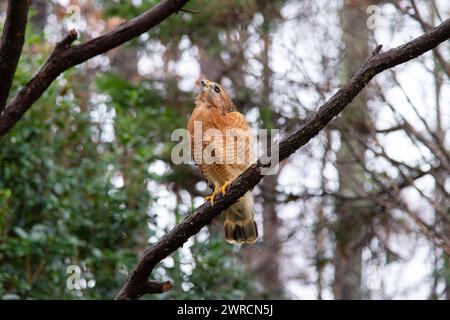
239	223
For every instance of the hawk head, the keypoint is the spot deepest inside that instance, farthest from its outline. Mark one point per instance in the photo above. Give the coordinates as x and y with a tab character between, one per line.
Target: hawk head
216	96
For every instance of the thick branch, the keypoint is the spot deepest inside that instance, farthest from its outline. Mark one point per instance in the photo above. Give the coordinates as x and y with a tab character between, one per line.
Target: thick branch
204	214
11	45
61	60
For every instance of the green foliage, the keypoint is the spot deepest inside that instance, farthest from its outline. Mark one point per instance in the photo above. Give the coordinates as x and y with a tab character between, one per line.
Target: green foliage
126	9
59	204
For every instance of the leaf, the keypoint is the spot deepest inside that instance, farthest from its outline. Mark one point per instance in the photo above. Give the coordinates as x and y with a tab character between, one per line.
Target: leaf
21	233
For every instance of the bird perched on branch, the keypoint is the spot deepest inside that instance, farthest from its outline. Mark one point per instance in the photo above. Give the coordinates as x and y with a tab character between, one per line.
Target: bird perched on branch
221	144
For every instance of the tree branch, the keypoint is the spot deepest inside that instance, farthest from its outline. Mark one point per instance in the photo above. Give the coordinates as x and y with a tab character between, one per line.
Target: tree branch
425	27
11	44
205	213
65	56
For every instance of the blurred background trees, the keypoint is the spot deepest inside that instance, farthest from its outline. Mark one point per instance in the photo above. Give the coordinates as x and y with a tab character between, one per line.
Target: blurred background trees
362	212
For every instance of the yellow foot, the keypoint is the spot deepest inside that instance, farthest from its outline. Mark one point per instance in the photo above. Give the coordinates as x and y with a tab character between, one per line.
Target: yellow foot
224	188
212	197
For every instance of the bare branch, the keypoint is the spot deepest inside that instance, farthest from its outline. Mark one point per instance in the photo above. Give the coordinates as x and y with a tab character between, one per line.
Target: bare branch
65	56
11	44
425	27
204	214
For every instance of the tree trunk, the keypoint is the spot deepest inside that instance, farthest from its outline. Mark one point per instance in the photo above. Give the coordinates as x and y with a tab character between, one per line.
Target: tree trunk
265	261
348	229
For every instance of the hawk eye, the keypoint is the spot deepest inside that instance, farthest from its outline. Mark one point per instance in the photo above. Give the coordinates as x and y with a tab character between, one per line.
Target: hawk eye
216	89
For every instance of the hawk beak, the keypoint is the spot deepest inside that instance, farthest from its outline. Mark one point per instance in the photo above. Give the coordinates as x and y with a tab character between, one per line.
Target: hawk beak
205	83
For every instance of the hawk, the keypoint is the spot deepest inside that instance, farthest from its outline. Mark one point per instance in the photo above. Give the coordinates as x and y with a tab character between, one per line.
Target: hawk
214	127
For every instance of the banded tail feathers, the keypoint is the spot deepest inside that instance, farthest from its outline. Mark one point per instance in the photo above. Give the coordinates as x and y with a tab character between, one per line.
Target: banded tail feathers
240	226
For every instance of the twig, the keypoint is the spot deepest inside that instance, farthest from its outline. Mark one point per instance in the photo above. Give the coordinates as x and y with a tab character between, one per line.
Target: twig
190	11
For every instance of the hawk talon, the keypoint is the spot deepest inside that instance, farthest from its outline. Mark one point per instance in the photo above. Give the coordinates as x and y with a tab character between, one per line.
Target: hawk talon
224	188
212	196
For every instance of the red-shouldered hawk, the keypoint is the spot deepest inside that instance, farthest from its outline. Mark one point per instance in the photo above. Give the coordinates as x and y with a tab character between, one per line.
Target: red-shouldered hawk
221	144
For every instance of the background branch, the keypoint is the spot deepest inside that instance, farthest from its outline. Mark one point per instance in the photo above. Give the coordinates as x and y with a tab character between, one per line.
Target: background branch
204	214
11	44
